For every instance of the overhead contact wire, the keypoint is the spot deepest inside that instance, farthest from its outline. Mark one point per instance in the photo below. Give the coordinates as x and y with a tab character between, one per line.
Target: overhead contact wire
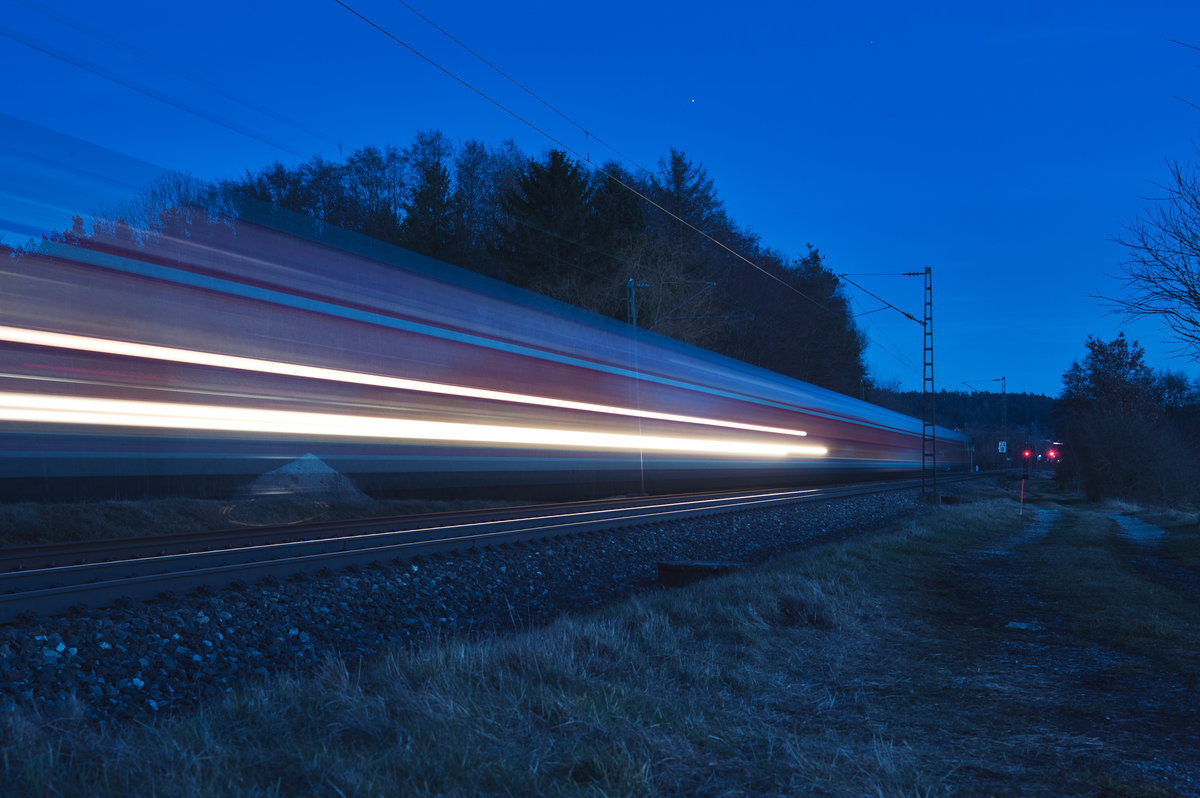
189	77
568	148
87	66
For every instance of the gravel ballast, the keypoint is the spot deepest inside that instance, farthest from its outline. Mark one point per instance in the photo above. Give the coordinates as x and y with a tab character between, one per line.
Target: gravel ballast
139	659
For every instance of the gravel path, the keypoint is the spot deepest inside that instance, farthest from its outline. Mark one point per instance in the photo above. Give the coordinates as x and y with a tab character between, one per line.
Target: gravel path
138	659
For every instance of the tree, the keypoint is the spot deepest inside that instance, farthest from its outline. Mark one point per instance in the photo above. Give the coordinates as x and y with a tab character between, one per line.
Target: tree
1120	439
1173	390
685	191
375	180
798	322
1113	375
429	214
619	212
324	195
482	175
826	341
474	195
548	237
429	211
163	199
275	185
673	296
1162	275
315	189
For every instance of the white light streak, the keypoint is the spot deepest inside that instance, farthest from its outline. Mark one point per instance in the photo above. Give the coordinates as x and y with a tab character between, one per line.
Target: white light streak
106	346
88	411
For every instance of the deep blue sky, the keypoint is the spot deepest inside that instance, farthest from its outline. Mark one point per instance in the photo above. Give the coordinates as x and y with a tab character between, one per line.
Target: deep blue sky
1004	146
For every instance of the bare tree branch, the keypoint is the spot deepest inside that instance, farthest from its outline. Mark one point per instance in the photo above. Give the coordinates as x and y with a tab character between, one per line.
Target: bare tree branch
1161	278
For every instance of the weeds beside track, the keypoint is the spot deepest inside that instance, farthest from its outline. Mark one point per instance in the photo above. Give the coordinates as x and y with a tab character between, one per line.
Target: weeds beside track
969	651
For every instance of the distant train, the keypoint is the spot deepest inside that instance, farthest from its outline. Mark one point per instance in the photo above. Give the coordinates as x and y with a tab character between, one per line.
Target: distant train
193	361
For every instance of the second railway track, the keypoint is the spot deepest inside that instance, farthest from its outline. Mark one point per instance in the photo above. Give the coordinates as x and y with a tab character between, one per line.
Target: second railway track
52	579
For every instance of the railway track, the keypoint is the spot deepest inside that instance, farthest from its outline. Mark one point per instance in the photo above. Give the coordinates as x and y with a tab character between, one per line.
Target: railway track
49	580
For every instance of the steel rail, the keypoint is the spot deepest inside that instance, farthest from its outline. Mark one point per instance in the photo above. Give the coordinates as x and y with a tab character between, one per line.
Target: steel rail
57	589
24	557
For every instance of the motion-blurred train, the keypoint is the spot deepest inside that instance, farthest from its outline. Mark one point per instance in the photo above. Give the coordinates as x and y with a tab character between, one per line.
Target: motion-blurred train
195	358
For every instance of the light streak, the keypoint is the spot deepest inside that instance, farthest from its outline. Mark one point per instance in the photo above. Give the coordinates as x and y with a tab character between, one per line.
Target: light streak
89	411
107	346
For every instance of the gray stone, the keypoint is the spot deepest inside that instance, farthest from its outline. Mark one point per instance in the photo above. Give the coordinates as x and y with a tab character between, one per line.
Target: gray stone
307	477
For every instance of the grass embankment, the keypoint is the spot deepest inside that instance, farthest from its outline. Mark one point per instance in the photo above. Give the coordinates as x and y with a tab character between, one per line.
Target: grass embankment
971	651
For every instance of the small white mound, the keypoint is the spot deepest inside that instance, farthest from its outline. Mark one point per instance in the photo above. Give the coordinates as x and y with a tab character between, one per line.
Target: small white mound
307	477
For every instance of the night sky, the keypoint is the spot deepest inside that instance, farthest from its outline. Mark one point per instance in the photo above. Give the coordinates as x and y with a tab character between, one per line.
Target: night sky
1002	145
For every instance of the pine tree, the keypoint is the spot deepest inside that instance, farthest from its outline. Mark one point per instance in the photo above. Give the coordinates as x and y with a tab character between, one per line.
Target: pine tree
549	227
429	215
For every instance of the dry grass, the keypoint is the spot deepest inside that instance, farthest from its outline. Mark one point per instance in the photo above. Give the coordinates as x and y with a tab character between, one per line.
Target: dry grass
1122	506
881	666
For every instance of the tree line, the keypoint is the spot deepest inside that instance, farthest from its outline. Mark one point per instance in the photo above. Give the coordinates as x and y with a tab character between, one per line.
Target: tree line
986	417
658	246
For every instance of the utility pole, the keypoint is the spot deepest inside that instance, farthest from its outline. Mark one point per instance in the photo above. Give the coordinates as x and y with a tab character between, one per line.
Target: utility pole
928	413
631	288
928	426
928	416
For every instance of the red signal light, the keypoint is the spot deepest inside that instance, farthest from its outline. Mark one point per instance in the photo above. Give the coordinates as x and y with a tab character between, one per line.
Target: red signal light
1052	455
1028	453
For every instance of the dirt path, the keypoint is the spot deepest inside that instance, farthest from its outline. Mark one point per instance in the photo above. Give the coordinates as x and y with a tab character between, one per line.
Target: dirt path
1122	712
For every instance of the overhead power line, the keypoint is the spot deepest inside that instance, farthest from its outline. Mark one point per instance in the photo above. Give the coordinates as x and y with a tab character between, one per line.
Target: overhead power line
129	83
247	131
568	148
587	133
897	354
72	22
903	313
587	158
